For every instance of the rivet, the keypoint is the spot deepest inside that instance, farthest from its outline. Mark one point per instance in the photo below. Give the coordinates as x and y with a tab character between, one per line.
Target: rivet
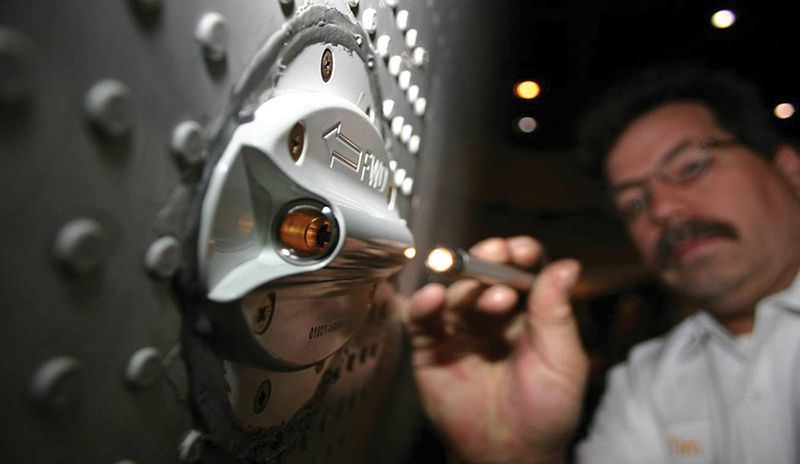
420	57
393	165
402	20
392	3
144	368
212	33
411	38
397	125
405	134
163	257
388	108
188	142
395	63
191	448
408	186
419	106
262	397
414	144
413	93
382	45
404	79
326	65
370	63
297	141
56	383
353	4
110	107
399	176
81	245
18	65
369	19
359	39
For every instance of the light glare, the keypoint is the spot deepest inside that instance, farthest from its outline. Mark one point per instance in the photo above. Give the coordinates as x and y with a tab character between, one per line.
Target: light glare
410	252
440	260
527	90
723	19
527	124
784	110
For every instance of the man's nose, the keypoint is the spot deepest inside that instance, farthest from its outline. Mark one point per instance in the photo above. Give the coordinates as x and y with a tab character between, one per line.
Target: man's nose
669	204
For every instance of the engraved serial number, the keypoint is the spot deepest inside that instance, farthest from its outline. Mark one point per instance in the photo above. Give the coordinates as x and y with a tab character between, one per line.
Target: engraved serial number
327	328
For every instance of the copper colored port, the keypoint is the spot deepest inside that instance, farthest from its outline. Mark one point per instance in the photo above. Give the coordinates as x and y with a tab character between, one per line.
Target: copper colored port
307	232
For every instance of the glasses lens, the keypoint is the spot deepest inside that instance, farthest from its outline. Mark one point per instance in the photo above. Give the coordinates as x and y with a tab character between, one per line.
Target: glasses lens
685	164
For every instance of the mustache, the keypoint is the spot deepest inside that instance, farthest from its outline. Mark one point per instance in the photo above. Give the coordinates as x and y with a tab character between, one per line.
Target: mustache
687	230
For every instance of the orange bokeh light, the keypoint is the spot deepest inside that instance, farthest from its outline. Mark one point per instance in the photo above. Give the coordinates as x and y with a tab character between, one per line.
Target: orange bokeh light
527	90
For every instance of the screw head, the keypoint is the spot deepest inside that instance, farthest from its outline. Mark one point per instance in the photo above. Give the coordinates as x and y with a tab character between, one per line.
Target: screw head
262	397
81	245
263	314
110	107
56	383
17	65
297	141
188	142
212	33
163	257
326	65
144	368
191	448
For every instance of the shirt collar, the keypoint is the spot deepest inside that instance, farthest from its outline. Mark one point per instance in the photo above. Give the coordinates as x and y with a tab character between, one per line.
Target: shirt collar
704	326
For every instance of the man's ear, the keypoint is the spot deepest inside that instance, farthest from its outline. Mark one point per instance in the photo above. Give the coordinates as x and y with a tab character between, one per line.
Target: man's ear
787	160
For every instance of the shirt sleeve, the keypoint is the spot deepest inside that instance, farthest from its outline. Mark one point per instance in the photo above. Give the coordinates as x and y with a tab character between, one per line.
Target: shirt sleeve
624	429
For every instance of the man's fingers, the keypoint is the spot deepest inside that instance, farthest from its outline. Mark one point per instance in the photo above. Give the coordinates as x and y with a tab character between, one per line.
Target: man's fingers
426	302
492	249
524	251
554	330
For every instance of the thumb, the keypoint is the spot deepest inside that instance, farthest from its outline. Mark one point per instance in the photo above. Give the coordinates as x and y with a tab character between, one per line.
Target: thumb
553	329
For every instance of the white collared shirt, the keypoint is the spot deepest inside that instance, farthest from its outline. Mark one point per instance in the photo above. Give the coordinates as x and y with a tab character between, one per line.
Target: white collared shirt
694	396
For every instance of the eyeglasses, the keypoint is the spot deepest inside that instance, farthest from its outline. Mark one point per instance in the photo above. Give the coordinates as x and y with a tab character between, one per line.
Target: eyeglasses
686	162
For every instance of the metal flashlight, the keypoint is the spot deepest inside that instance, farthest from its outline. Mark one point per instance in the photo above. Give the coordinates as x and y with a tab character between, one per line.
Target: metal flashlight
457	262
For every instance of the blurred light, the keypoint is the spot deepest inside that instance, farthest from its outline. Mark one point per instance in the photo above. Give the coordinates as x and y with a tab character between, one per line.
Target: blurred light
527	124
723	19
440	260
410	252
527	90
784	110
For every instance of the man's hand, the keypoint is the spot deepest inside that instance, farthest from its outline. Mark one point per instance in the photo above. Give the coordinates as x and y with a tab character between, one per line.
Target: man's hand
503	386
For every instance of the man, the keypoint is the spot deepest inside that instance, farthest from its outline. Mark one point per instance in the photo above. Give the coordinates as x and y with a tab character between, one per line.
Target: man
711	200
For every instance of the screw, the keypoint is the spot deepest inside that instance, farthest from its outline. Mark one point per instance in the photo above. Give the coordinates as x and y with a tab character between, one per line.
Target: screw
263	315
262	397
144	368
212	33
17	65
191	447
110	107
188	142
55	384
163	257
297	141
81	245
326	67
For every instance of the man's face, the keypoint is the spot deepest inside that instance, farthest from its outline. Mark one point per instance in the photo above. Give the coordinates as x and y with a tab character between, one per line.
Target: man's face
724	232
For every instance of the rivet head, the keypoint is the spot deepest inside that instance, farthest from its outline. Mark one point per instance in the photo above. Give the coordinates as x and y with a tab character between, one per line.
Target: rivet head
395	63
212	33
191	448
262	397
411	38
414	144
382	45
402	20
399	176
163	257
420	57
388	108
144	368
420	106
408	186
110	107
353	4
188	142
17	65
326	65
404	79
405	133
392	3
56	383
369	19
412	93
397	125
81	245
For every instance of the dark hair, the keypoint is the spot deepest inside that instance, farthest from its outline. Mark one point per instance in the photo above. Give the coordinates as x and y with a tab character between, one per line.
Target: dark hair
736	104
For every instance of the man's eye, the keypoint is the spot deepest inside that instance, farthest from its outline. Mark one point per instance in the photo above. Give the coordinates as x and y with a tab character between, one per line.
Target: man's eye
690	170
635	206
